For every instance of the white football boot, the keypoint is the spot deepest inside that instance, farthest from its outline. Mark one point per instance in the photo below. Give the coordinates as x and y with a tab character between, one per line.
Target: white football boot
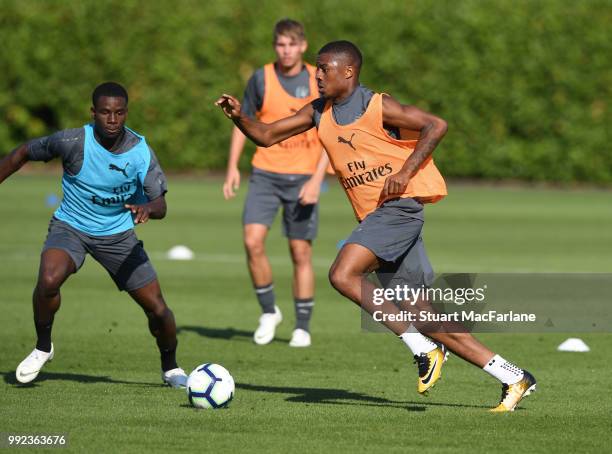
175	378
267	327
29	368
300	338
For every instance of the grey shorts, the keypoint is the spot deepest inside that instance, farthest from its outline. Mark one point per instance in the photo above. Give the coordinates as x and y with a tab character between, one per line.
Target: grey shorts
268	191
393	233
122	254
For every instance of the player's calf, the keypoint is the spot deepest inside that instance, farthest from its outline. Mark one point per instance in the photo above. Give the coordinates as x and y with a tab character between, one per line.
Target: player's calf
163	327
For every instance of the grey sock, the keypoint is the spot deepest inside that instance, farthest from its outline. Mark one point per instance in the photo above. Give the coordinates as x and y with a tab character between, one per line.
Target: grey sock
265	296
303	312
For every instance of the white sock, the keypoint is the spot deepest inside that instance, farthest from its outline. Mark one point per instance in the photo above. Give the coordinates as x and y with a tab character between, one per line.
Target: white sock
416	342
504	371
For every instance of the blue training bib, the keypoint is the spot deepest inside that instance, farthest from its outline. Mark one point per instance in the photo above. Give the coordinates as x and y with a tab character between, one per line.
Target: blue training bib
94	199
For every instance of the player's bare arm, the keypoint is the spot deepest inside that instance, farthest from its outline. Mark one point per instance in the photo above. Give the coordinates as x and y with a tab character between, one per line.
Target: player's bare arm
263	134
309	194
232	175
12	162
432	131
155	209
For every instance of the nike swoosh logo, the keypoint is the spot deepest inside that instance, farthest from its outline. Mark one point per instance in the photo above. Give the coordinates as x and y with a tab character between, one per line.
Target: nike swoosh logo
21	374
428	378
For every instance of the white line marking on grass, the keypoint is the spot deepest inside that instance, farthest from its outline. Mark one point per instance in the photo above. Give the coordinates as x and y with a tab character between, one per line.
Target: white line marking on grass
199	257
318	262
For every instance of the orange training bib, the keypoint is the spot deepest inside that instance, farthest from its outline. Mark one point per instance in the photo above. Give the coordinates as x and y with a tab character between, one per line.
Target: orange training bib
364	155
298	154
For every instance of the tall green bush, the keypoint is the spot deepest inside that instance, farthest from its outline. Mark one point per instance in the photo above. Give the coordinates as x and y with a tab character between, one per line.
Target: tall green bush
525	85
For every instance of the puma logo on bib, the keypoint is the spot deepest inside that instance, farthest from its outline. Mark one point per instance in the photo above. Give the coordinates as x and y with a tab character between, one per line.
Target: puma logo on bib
119	169
348	142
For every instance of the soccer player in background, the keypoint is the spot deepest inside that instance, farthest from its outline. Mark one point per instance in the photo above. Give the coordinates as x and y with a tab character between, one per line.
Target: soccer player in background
112	180
288	173
387	180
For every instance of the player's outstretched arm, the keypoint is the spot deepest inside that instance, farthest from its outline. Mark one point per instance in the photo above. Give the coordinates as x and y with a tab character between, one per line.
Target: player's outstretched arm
264	134
432	130
12	162
155	209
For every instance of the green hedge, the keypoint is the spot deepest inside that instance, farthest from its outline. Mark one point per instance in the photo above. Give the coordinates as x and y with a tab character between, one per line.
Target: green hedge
524	85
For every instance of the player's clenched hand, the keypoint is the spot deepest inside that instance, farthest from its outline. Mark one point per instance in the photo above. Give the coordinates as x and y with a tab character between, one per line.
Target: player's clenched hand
309	193
140	213
230	106
232	183
395	184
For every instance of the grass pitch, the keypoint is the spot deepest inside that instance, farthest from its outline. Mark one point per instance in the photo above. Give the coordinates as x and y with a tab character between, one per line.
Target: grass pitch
351	391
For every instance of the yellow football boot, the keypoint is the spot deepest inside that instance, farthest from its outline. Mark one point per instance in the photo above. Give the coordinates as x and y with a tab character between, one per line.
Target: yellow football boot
430	367
513	394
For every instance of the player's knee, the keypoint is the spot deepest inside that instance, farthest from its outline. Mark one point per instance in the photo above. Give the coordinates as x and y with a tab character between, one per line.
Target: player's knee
49	282
254	246
160	312
301	255
160	309
338	277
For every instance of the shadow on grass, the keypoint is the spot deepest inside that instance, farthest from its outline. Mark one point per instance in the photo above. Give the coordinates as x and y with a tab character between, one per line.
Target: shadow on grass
9	378
192	408
223	333
331	396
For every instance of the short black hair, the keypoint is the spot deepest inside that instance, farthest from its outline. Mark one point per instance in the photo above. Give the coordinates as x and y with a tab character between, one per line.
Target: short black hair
346	48
110	89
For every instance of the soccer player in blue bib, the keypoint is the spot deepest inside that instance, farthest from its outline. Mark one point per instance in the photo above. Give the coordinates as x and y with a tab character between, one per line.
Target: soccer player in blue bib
112	180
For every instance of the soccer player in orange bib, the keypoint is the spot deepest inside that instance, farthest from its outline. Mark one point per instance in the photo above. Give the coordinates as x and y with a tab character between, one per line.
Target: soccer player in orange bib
387	180
288	173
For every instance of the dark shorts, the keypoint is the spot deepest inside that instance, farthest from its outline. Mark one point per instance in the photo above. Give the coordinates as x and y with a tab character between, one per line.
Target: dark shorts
122	254
268	191
393	233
